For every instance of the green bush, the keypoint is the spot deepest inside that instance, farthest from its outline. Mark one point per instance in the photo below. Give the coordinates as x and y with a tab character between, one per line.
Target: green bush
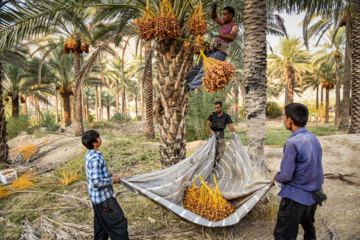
273	110
17	125
91	118
120	117
47	120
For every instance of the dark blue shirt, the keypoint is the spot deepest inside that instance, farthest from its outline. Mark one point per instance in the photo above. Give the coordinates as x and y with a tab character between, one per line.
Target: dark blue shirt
301	167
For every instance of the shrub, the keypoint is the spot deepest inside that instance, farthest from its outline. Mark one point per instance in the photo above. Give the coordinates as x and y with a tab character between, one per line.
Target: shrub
120	117
16	125
48	121
91	118
273	110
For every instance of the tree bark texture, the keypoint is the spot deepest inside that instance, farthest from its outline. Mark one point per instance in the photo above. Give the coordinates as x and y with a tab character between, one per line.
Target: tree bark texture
117	96
255	78
67	109
100	104
123	101
96	104
345	106
327	95
4	148
355	98
25	107
288	85
56	107
170	109
337	89
149	129
317	103
108	112
142	84
15	105
78	96
322	104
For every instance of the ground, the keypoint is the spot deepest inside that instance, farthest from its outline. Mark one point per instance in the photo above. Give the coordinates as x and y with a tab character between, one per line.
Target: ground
51	209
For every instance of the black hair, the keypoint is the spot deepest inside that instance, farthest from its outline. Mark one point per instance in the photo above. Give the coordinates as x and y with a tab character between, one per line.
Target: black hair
218	102
89	137
231	10
298	113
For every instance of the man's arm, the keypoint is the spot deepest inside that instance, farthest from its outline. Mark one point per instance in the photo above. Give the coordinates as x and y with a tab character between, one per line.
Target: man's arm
208	127
214	15
232	128
288	164
230	37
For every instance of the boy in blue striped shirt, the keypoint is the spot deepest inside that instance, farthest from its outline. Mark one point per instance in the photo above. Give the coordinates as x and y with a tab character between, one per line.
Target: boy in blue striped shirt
109	219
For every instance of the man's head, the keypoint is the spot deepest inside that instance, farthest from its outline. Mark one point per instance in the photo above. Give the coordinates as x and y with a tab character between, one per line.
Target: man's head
295	114
91	139
218	107
228	14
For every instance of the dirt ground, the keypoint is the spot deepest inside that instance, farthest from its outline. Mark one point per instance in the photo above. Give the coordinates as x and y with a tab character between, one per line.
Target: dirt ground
339	218
341	213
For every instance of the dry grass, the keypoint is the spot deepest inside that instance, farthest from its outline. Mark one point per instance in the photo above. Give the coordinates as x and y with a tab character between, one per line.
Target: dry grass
68	178
24	181
4	192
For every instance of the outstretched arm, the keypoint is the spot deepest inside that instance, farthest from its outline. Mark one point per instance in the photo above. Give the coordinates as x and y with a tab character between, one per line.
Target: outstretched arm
208	127
214	14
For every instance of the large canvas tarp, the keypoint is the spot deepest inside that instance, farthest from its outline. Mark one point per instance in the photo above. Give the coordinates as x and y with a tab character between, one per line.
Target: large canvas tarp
233	173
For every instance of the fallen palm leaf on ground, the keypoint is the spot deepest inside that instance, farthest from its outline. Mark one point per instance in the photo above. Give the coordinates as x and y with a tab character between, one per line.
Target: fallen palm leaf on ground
24	181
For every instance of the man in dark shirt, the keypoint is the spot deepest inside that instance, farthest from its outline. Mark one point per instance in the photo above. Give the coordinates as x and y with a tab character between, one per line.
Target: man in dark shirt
300	173
218	121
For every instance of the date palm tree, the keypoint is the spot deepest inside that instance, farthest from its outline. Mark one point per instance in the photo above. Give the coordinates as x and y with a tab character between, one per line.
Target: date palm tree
289	62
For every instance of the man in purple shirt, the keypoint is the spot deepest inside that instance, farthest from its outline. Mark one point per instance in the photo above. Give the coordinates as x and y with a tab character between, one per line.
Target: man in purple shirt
220	47
300	173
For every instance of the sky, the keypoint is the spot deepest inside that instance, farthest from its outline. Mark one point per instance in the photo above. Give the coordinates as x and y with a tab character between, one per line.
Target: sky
293	29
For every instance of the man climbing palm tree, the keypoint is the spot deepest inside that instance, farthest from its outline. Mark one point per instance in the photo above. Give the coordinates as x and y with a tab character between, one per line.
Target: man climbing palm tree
220	47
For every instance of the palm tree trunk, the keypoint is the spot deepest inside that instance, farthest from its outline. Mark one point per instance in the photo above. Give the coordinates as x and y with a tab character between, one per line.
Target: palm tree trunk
96	104
327	95
61	112
123	102
149	129
236	104
292	86
136	111
170	109
117	95
37	109
345	106
255	78
78	96
288	85
56	107
355	98
337	90
317	103
67	109
100	104
108	112
87	109
142	84
322	104
4	148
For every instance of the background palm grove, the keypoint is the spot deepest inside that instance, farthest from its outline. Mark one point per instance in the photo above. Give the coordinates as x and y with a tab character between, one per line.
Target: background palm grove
82	64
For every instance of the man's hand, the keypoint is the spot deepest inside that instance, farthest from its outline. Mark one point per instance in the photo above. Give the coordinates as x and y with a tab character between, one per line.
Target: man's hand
214	6
214	34
116	179
212	133
273	181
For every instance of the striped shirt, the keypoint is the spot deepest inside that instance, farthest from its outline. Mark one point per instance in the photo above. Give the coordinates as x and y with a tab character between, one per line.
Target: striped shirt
99	180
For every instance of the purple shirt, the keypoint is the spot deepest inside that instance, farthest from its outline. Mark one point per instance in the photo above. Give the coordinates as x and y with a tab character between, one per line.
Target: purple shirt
225	29
301	167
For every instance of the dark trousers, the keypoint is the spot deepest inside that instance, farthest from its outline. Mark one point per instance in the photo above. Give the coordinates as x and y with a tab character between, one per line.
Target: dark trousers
290	215
109	221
